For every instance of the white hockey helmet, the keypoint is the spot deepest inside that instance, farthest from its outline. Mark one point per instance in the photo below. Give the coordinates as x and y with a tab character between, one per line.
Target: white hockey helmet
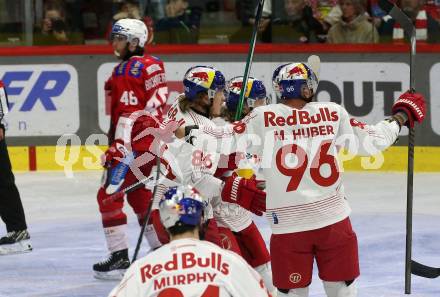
131	29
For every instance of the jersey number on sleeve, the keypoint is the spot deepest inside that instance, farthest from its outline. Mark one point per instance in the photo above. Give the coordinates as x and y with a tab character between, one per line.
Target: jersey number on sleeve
129	98
296	173
211	291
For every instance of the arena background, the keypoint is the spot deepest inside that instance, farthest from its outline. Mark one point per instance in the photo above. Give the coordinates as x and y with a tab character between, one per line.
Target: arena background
58	90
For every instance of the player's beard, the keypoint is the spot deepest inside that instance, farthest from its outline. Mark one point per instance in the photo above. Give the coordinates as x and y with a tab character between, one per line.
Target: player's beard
120	55
123	54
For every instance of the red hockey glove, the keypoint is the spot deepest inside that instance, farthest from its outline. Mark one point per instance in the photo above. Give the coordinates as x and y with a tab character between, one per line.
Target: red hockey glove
413	105
114	154
245	193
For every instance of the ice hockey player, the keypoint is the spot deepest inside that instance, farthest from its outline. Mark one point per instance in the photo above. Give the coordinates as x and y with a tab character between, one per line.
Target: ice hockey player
298	140
188	266
204	89
245	237
17	240
202	85
138	93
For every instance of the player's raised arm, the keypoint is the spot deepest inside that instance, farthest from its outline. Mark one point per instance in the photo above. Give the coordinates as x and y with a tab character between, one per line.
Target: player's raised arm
366	140
243	135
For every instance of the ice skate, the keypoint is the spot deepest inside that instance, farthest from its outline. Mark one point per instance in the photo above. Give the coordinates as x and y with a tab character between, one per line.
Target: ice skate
114	267
15	242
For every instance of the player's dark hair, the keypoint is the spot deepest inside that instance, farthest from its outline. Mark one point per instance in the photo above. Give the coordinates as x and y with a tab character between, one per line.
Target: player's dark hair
227	114
185	103
181	228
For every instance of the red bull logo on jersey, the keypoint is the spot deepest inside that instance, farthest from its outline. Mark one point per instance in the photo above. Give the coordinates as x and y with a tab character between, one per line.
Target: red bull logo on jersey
301	117
180	262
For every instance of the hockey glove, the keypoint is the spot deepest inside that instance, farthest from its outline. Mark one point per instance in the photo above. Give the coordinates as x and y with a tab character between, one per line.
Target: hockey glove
413	105
115	154
245	193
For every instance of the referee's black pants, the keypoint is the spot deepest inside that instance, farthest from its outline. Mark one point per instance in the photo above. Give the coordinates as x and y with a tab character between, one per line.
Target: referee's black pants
11	208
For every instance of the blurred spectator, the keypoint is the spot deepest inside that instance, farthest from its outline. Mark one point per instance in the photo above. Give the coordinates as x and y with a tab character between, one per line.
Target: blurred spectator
246	10
181	24
265	26
353	26
322	8
54	29
301	18
129	9
332	17
375	12
427	29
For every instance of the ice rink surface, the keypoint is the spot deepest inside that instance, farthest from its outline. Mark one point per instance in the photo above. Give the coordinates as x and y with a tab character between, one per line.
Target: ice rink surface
67	236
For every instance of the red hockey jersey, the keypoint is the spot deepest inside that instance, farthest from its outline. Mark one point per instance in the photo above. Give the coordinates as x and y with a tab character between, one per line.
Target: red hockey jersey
138	84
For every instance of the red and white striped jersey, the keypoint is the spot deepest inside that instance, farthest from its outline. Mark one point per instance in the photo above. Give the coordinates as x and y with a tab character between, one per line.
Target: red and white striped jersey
192	166
298	149
229	215
190	268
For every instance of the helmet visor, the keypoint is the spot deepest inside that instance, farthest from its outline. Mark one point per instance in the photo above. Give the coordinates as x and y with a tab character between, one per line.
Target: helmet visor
117	37
252	103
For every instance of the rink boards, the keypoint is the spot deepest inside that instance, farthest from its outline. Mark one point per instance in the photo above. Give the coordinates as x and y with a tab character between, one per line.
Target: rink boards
47	158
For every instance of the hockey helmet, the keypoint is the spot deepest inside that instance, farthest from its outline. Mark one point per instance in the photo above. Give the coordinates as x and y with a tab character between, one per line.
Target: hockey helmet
202	79
289	79
131	29
255	91
181	205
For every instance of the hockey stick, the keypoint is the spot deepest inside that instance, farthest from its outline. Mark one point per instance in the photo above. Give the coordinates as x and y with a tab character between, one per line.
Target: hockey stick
148	182
148	214
410	30
423	270
315	63
250	56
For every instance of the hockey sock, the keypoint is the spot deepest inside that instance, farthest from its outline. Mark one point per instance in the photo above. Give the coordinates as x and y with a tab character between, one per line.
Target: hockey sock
116	238
298	292
340	289
265	272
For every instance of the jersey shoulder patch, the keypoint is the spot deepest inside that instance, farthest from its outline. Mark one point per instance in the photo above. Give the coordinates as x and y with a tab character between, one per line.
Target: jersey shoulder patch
153	68
119	70
135	69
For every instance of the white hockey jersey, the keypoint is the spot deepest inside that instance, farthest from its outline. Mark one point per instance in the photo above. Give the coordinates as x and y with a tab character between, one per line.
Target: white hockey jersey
299	150
192	166
190	268
230	215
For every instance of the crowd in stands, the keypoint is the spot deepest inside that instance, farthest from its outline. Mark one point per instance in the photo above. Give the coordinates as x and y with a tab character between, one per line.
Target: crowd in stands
231	21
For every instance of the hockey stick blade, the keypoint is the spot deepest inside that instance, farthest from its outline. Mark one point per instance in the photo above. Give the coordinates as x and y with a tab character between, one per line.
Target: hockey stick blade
398	15
148	182
423	270
315	63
